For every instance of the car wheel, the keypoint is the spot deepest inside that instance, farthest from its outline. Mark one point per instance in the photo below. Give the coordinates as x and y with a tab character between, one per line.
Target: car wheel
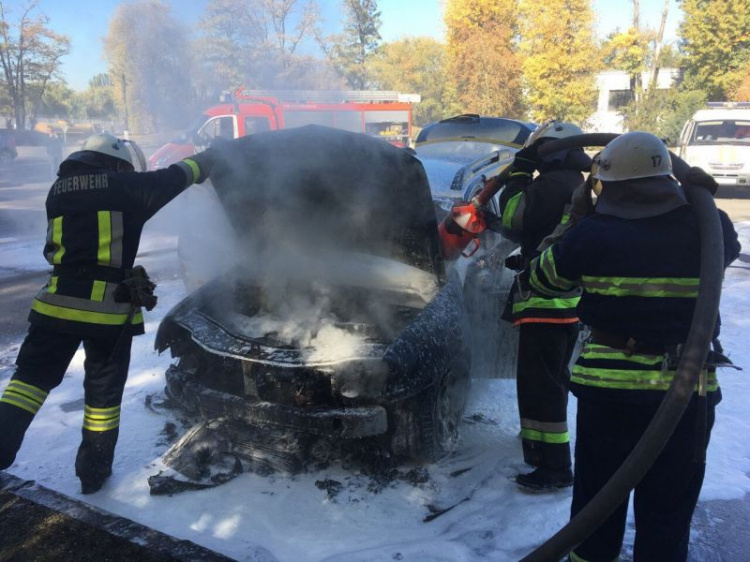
427	425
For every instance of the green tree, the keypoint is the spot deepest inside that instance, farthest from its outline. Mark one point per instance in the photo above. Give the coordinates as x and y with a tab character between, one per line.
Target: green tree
414	65
483	65
561	58
349	52
98	100
716	44
148	56
663	112
30	56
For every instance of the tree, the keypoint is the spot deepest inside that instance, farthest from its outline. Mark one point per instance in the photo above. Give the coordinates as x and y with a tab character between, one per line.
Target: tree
150	65
483	65
98	100
663	112
414	65
742	91
561	58
29	57
255	43
716	44
350	51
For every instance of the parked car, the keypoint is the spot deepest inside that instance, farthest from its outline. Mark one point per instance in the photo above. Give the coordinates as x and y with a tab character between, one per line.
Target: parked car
717	139
336	326
8	151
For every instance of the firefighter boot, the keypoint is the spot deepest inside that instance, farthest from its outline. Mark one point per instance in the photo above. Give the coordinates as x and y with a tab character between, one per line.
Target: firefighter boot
14	422
94	459
546	479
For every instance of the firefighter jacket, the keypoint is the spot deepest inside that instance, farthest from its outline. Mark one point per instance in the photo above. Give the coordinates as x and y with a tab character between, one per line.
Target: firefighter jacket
530	211
94	221
640	281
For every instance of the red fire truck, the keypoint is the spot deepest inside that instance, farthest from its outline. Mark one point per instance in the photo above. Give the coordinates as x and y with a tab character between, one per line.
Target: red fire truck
382	114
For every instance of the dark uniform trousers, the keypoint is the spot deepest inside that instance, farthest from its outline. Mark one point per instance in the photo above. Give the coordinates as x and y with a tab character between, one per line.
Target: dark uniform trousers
41	364
543	378
664	500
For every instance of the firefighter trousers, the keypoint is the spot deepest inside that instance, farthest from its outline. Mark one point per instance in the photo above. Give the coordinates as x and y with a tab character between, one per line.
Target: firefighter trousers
543	377
41	365
664	501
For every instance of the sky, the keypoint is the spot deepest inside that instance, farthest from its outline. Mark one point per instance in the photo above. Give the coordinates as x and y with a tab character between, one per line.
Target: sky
86	23
282	518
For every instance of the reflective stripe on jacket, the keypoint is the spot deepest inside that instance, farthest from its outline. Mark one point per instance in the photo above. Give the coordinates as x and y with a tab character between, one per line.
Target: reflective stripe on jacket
95	218
607	367
640	282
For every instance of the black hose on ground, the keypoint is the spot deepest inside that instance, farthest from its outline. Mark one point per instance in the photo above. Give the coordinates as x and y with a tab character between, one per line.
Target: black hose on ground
686	377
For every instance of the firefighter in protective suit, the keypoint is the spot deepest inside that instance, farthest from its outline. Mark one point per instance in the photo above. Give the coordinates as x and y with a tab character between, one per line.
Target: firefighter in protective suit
96	210
637	259
548	327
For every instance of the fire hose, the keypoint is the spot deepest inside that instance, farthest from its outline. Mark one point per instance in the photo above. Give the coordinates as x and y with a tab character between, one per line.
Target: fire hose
691	363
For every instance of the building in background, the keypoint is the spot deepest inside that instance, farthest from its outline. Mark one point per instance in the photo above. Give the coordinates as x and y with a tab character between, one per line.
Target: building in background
616	91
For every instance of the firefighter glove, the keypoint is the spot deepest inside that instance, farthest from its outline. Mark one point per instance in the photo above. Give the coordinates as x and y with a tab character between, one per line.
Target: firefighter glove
698	176
137	289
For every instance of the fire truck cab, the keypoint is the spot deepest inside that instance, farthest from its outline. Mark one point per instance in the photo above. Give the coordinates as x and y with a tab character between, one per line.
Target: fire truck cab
382	114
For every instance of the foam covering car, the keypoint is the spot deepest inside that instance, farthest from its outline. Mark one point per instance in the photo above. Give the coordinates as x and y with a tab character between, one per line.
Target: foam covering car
336	325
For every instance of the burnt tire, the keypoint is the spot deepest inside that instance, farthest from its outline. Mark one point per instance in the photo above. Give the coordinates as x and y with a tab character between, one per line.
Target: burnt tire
427	425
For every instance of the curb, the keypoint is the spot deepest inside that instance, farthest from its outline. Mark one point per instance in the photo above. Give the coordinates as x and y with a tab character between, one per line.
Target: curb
139	535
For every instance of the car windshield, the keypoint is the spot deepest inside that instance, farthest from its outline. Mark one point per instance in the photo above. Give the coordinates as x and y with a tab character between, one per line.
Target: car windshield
726	131
186	137
475	128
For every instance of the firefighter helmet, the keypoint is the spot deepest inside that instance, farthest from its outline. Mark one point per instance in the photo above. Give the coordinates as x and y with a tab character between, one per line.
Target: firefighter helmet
109	145
553	129
631	156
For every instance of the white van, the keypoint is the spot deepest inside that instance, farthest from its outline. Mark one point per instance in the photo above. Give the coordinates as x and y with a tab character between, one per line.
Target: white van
718	140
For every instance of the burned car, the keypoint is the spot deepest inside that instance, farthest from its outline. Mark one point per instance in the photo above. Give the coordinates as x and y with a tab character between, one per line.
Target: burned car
337	323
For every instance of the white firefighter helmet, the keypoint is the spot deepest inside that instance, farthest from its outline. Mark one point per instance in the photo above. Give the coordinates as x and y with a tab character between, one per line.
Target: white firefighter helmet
553	129
631	156
109	145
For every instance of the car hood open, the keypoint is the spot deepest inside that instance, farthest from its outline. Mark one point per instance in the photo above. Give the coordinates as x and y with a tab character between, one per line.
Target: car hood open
315	187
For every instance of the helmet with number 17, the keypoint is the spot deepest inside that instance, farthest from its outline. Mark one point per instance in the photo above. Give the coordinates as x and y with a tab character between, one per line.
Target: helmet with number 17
631	156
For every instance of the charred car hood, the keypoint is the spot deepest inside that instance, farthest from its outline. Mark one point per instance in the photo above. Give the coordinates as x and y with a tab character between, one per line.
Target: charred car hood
314	187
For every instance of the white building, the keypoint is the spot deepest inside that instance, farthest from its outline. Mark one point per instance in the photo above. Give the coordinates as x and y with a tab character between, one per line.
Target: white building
615	92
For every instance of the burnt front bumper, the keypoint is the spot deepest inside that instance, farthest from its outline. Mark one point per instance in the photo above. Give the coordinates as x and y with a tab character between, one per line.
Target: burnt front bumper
342	423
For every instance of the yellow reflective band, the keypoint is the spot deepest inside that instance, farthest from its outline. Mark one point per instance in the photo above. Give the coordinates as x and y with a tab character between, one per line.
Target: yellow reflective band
24	396
544	437
101	413
83	315
194	167
684	287
103	255
101	419
549	268
565	219
92	425
52	287
29	390
630	379
541	302
595	351
510	210
19	402
97	291
57	225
